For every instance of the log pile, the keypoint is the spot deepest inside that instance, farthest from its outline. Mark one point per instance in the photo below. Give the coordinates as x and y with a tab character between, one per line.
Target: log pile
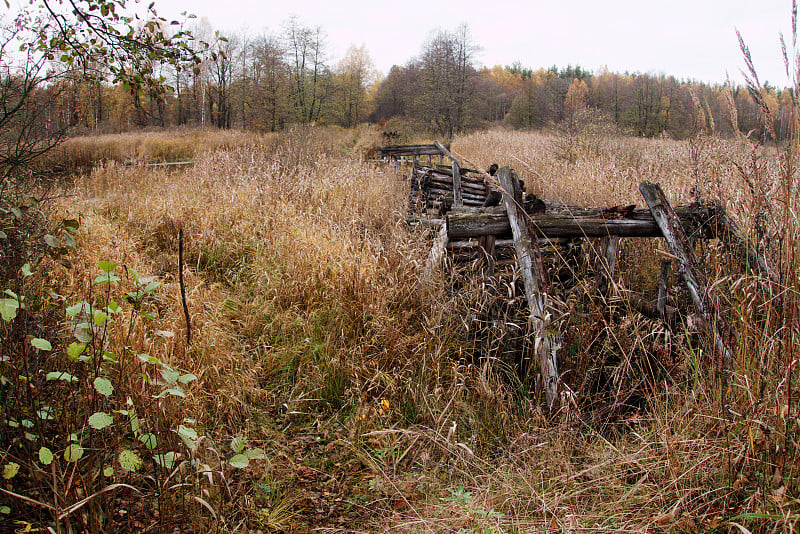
432	189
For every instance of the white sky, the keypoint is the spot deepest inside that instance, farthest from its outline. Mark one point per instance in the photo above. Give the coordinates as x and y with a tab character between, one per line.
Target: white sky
686	38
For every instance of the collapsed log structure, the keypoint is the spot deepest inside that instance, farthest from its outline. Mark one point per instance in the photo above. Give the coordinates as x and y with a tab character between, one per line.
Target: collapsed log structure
471	210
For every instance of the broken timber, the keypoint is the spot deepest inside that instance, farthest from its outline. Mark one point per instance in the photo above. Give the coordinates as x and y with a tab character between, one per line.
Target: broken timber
688	265
529	258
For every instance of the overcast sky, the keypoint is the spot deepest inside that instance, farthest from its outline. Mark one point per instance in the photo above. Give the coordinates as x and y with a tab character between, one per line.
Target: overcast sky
690	39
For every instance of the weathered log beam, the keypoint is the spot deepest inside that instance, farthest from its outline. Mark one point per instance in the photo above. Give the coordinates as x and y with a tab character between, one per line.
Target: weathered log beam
448	182
639	224
409	150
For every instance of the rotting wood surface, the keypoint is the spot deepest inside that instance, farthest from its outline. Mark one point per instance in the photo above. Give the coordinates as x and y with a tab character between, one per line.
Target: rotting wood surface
688	265
566	223
529	258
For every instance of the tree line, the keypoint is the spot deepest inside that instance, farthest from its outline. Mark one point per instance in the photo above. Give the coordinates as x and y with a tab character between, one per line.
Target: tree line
275	79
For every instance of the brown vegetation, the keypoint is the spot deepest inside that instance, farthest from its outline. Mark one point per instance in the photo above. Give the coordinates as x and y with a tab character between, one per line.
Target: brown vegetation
384	403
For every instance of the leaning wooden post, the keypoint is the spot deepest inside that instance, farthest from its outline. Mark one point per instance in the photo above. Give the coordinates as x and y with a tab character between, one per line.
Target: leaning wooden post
608	264
688	265
546	343
458	199
437	253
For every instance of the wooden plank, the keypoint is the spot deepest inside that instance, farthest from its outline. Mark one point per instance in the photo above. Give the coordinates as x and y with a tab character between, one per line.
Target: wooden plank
546	344
688	265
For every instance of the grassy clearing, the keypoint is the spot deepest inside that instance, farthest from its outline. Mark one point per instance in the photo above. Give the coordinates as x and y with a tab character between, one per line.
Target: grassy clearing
382	402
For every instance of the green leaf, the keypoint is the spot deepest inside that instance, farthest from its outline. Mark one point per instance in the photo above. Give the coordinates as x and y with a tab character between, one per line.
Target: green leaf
107	266
100	317
256	454
239	461
146	358
170	376
45	456
129	461
5	510
75	350
149	441
52	241
8	309
41	344
26	270
106	277
10	470
69	242
45	413
103	386
73	453
176	391
238	443
60	375
152	286
188	435
134	423
166	460
100	420
75	309
108	471
187	378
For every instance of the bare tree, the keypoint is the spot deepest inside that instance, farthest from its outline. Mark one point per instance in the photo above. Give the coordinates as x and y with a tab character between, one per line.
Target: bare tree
448	80
311	78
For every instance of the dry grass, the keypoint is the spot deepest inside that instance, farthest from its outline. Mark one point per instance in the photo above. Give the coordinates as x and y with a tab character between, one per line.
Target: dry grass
314	334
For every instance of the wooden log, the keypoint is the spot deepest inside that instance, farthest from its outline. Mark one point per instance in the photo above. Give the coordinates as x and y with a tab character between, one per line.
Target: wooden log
650	309
562	224
448	182
449	192
408	150
688	265
436	254
608	264
457	198
546	344
542	242
663	287
448	171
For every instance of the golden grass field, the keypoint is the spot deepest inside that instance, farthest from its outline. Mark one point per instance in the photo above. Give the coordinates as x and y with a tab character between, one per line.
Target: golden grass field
315	336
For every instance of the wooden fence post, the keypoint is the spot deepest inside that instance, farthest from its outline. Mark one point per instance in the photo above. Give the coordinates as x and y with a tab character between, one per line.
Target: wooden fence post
458	199
547	343
688	265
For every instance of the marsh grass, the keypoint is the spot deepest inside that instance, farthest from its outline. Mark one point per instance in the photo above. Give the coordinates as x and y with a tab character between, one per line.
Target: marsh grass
314	334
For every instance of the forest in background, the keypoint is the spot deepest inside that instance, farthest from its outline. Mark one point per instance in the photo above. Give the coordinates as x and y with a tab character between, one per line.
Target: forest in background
272	80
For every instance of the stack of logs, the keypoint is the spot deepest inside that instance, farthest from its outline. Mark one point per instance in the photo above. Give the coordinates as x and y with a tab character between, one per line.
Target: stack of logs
432	188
